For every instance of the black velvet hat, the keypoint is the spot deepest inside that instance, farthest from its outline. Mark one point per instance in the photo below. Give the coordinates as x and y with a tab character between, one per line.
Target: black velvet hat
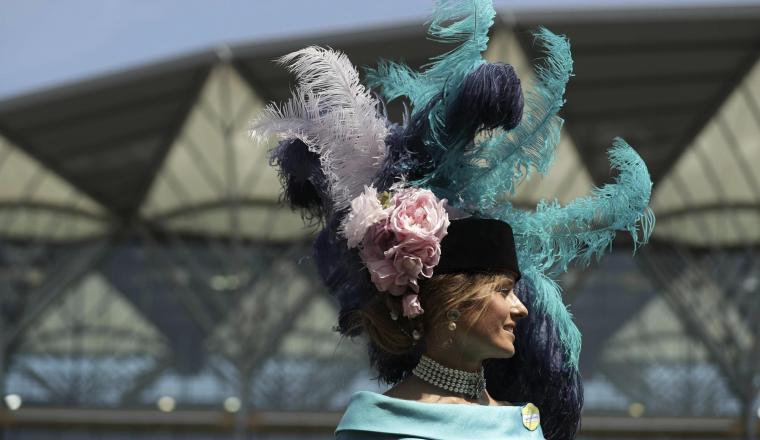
478	245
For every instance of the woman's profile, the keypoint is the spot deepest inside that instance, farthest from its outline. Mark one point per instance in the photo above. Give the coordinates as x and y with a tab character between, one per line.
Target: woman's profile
452	286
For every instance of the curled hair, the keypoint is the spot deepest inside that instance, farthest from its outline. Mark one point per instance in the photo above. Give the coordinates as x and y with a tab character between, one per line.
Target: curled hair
393	350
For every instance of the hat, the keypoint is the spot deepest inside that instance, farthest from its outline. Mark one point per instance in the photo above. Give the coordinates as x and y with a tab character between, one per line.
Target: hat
382	190
483	245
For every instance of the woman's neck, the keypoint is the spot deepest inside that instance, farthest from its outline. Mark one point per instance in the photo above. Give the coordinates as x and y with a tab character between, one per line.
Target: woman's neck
455	359
414	388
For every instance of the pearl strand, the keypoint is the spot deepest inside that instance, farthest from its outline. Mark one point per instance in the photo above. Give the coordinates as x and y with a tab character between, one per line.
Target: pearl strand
457	381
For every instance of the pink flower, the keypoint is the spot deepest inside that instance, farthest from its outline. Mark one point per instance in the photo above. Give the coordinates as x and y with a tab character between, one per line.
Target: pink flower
413	258
401	243
366	210
375	245
418	214
376	241
384	277
411	305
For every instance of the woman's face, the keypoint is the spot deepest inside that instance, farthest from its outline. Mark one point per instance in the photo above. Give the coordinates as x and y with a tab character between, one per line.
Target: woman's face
491	334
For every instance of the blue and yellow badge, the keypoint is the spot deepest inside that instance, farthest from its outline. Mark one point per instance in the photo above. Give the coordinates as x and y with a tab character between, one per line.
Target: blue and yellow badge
531	419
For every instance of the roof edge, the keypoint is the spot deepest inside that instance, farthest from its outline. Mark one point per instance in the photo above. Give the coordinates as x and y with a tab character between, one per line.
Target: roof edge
591	14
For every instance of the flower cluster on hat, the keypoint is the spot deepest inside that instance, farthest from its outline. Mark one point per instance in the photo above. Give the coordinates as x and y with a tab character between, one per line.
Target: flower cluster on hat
399	239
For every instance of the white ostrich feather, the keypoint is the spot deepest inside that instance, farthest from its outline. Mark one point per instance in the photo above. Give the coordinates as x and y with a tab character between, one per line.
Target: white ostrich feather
334	115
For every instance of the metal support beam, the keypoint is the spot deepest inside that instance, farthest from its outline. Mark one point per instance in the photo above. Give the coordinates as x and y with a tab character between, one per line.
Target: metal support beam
678	292
144	380
66	275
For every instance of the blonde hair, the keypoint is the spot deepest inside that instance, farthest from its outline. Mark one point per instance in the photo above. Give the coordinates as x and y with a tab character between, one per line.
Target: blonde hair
457	291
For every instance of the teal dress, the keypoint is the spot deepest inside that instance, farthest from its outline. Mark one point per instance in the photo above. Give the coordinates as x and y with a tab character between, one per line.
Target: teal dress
378	417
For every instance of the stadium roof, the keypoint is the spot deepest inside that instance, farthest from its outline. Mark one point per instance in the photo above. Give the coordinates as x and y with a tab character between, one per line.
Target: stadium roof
161	150
659	79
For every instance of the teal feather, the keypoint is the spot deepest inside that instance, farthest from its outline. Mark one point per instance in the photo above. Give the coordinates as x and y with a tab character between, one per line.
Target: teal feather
553	236
498	163
463	22
547	299
479	176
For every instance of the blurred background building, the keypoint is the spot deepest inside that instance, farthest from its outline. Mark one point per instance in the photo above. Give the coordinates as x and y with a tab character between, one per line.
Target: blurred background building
151	285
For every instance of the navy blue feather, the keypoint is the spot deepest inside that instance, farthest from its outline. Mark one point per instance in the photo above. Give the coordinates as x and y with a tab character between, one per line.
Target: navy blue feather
437	147
392	369
490	97
304	183
538	372
407	155
343	273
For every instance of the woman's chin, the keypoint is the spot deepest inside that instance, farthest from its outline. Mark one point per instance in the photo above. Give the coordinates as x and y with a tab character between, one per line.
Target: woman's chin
504	352
507	345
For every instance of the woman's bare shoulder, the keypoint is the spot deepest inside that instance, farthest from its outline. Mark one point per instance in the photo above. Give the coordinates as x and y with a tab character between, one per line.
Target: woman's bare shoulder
406	389
411	389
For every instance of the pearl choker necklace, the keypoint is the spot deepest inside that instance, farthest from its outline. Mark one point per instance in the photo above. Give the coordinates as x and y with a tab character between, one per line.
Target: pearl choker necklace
457	381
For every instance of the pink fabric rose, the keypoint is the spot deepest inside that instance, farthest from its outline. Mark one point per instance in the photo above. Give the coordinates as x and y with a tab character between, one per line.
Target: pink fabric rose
413	258
418	214
366	210
410	303
385	277
400	243
377	241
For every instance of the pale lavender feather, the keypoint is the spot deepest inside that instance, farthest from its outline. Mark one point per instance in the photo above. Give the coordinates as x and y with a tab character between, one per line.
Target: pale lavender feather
334	115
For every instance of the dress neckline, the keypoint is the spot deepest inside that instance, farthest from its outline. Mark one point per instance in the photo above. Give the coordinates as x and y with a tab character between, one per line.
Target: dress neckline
374	412
441	403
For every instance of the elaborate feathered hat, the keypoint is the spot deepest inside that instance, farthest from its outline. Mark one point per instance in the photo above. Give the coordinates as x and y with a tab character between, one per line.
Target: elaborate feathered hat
471	136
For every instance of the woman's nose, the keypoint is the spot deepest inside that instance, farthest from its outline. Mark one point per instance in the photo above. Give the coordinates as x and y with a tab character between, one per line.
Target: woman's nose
519	310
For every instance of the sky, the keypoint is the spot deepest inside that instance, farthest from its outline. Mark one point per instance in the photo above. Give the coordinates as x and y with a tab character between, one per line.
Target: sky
46	43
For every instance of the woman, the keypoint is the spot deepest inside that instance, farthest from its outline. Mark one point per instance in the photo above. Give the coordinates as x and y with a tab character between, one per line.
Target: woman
471	312
491	311
419	241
